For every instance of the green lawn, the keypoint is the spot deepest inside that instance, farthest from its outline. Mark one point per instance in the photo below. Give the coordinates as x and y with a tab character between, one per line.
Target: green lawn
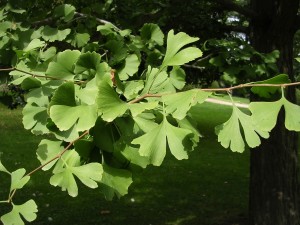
210	188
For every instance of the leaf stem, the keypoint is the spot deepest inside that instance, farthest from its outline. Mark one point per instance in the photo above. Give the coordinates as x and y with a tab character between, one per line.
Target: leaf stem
45	164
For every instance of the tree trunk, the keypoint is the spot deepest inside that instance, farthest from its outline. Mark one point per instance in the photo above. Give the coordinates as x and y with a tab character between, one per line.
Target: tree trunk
273	172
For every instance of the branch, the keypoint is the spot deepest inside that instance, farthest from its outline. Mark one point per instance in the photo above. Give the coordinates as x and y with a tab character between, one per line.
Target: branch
82	15
97	19
231	6
51	160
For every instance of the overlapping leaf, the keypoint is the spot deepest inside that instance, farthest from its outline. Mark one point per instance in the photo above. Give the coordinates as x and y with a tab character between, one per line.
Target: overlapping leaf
266	92
111	106
131	66
28	211
68	167
65	112
186	99
115	182
153	144
63	67
47	150
229	133
53	34
152	33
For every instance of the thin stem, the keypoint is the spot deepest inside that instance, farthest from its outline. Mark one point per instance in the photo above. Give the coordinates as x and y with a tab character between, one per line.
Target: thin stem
51	160
7	69
143	97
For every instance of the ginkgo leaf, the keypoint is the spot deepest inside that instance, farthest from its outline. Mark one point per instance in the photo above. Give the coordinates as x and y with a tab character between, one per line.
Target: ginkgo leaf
65	116
267	92
292	118
66	11
175	56
18	180
177	77
35	118
152	32
229	133
28	211
34	44
111	106
65	112
131	66
115	182
68	166
3	169
187	99
264	114
47	150
155	80
153	144
80	39
88	63
63	67
53	34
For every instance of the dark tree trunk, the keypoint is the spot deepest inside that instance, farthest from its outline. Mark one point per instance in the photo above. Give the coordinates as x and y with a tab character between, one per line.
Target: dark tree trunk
273	178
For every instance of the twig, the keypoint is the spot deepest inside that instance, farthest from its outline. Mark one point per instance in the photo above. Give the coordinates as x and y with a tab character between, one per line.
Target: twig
97	19
51	160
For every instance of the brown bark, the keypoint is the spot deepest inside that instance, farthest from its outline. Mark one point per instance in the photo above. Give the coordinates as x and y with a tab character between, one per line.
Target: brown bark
273	179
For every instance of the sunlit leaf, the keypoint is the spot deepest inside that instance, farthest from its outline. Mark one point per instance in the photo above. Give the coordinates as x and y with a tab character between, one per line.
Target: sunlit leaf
48	150
229	133
175	56
187	99
18	180
68	166
153	144
63	67
28	211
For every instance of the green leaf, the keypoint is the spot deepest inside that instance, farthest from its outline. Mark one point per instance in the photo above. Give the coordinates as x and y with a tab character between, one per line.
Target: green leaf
264	114
35	118
66	11
47	150
267	92
68	166
3	169
111	106
229	133
180	103
63	67
64	111
152	32
173	54
292	118
53	34
88	63
80	39
34	44
177	78
156	80
153	143
130	68
132	88
115	182
18	180
132	154
28	211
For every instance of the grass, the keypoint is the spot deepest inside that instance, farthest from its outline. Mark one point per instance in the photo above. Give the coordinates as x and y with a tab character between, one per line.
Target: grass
210	188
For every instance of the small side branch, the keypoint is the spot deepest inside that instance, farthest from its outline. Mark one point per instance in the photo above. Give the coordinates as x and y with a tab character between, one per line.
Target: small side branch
51	160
